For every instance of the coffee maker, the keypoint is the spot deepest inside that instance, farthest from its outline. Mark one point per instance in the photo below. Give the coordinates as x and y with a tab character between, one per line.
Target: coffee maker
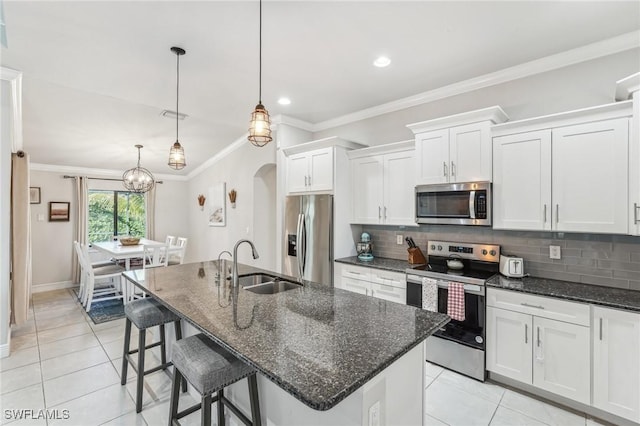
365	247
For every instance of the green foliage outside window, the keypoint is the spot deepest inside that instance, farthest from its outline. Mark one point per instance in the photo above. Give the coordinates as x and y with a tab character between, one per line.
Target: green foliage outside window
115	213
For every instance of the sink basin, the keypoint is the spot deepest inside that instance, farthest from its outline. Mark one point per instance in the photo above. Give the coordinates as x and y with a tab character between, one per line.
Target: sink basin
265	284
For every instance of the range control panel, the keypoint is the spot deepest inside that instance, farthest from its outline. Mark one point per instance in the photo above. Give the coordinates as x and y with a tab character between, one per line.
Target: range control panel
484	252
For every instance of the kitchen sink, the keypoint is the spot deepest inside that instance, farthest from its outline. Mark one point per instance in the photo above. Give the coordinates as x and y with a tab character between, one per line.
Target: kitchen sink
266	284
255	279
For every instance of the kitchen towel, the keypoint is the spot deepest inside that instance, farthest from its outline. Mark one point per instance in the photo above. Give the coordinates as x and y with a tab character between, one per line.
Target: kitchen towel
429	294
455	301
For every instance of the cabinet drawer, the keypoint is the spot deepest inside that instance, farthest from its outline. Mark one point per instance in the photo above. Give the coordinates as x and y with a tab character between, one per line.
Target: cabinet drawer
546	307
356	272
388	278
386	292
356	286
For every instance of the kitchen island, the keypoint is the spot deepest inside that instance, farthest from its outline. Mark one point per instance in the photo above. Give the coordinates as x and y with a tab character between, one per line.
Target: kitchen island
345	356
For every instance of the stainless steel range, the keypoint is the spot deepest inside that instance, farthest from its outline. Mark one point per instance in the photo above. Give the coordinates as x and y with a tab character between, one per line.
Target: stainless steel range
460	345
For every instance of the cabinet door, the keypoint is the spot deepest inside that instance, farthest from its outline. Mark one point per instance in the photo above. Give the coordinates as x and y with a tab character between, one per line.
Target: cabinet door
367	189
590	177
522	181
392	294
297	173
509	337
356	286
561	360
616	362
320	170
399	183
470	153
432	157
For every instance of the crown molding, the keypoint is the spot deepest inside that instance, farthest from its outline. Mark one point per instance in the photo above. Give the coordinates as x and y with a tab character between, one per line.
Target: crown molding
88	171
560	60
626	87
331	141
494	114
291	121
388	148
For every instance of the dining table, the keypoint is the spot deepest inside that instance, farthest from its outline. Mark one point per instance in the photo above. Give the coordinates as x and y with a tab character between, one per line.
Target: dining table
116	250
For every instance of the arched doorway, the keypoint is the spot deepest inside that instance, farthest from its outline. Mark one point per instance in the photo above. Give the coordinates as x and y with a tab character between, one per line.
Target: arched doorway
264	215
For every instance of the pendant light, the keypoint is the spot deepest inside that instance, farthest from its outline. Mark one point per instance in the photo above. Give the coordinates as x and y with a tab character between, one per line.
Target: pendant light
260	125
138	179
176	154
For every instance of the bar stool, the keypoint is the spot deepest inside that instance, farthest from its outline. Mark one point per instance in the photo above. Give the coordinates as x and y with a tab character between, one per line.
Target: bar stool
146	313
210	368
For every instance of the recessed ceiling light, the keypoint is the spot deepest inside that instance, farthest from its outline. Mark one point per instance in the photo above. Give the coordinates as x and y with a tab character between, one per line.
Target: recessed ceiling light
382	62
284	101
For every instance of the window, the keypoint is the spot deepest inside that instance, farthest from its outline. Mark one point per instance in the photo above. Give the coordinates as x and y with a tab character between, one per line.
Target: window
115	213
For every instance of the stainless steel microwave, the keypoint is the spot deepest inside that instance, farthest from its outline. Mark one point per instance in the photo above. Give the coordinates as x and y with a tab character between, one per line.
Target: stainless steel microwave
454	203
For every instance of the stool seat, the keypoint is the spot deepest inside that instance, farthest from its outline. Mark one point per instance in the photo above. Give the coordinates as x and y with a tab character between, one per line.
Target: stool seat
206	365
145	313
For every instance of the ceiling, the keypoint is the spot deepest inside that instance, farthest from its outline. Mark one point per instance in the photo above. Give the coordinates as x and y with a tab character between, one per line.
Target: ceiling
97	74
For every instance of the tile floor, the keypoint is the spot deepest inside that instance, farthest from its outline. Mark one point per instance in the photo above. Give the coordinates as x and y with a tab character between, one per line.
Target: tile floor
60	361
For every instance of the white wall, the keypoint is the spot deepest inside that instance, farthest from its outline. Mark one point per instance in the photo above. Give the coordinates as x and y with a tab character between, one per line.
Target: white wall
237	170
578	86
52	241
5	208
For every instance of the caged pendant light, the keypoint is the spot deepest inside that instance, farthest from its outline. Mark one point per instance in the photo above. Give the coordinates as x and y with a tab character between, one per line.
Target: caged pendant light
260	125
138	179
176	154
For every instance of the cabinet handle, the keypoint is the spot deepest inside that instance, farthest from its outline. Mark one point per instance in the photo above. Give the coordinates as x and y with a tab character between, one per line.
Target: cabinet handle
385	212
444	169
545	213
305	181
309	180
538	343
379	212
635	213
600	328
453	169
557	212
532	306
526	333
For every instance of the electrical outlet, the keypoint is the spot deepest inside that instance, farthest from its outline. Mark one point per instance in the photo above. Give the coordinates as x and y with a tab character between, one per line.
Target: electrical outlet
374	414
399	239
554	252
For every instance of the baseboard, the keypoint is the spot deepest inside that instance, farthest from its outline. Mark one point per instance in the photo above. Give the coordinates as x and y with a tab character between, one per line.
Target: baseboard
5	348
39	288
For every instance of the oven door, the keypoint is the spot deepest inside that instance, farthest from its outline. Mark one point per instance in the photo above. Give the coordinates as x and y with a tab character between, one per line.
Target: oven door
454	204
469	332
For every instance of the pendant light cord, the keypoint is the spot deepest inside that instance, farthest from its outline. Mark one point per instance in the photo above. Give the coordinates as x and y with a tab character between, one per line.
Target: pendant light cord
260	56
177	92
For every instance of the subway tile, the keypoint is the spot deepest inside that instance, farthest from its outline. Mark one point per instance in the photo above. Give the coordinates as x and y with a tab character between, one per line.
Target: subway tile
607	282
578	261
563	276
596	272
590	245
634	285
626	275
635	257
547	266
627	247
607	255
625	266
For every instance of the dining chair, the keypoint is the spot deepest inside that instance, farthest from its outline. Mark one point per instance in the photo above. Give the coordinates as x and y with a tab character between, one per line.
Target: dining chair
101	283
171	240
83	251
177	257
154	256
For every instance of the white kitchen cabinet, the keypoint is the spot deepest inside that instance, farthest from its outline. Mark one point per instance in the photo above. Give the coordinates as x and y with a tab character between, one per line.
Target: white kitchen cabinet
456	148
383	182
540	341
572	178
310	171
616	362
381	284
509	337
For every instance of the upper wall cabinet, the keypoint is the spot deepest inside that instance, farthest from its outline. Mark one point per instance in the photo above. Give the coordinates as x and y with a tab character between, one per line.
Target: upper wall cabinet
570	176
311	166
382	184
456	148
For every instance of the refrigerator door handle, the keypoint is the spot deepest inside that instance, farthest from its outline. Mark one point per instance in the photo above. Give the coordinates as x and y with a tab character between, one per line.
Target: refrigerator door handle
299	244
303	246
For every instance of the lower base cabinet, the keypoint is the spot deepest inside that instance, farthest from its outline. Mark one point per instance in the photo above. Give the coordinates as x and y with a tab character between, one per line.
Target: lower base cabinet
616	362
381	284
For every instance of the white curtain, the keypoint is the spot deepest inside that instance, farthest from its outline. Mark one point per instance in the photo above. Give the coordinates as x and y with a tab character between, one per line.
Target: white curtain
81	225
150	209
20	238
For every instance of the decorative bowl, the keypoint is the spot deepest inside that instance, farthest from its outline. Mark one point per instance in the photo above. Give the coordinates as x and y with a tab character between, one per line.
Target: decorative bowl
129	241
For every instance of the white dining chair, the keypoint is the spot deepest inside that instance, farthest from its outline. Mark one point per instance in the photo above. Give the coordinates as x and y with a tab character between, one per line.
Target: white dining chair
83	251
171	240
177	257
154	256
100	283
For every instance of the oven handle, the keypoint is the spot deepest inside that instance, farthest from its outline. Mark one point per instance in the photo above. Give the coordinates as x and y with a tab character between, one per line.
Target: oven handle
468	288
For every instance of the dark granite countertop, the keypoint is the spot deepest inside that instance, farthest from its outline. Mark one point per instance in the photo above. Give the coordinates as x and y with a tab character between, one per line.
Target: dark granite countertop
380	263
318	343
586	293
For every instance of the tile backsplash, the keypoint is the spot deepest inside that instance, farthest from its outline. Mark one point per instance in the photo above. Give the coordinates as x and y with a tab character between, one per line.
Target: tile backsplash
608	260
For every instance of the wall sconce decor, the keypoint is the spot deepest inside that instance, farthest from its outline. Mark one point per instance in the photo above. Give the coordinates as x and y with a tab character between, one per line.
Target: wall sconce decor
232	198
201	200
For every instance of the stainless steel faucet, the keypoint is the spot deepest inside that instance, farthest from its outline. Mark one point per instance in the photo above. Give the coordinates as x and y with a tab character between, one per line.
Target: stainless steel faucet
254	253
219	275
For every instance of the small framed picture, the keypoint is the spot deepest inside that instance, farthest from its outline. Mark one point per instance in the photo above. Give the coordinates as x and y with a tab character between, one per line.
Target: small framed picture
59	211
34	194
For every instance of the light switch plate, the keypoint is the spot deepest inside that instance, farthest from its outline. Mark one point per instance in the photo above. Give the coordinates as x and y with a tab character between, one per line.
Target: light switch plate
399	239
554	252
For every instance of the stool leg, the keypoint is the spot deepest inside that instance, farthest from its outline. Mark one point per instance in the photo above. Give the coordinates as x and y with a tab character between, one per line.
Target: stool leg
206	411
178	328
175	396
142	334
163	345
255	403
125	352
220	406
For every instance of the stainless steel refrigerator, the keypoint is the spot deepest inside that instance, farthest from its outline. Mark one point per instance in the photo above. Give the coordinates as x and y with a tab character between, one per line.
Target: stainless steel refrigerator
308	238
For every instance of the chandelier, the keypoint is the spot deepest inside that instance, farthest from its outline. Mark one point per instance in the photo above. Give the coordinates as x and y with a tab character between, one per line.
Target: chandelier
138	179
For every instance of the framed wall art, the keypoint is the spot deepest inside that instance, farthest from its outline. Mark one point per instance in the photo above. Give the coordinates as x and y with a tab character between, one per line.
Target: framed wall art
217	205
59	211
34	195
